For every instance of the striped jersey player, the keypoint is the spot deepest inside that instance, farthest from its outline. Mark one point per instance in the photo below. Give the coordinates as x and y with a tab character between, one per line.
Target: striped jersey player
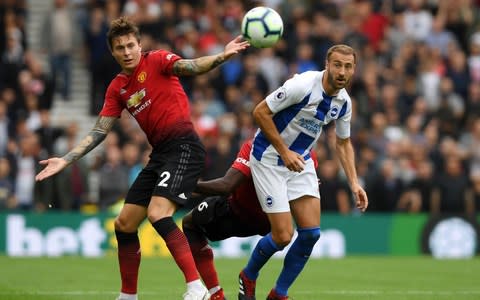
291	120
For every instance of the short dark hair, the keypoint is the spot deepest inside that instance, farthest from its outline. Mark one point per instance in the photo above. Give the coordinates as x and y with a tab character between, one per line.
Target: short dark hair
119	27
343	49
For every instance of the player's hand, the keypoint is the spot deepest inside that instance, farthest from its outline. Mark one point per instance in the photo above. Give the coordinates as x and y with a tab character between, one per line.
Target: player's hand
53	166
360	197
235	46
293	161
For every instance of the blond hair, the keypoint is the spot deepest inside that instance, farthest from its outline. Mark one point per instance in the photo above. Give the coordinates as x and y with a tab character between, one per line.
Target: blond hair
343	49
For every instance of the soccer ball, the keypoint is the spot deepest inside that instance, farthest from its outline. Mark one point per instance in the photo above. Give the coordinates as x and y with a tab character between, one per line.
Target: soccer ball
262	27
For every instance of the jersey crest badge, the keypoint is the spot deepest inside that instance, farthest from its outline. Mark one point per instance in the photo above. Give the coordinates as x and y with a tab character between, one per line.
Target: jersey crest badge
142	77
333	112
136	98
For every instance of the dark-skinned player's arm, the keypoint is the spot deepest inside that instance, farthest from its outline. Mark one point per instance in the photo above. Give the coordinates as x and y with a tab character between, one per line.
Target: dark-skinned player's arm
98	133
223	185
196	66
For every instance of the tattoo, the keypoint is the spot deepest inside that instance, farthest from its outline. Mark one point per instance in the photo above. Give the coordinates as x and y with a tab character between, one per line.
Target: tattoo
93	139
196	66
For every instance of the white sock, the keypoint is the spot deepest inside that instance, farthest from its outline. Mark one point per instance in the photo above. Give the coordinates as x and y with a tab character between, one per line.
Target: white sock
124	296
214	290
195	285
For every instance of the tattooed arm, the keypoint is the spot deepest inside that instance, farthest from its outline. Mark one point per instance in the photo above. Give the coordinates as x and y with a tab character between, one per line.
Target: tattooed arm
204	64
93	139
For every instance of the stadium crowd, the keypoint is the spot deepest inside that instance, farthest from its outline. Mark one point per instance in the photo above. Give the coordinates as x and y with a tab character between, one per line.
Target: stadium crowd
416	95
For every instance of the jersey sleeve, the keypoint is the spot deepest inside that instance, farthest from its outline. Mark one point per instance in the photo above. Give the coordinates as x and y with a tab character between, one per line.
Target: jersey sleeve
164	60
291	92
242	163
342	124
112	106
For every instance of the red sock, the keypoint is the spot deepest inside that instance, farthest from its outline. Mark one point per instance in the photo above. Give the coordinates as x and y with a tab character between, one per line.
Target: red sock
178	246
203	255
129	260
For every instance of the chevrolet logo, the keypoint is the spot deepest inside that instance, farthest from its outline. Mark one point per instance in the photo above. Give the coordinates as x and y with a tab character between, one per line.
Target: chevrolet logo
136	98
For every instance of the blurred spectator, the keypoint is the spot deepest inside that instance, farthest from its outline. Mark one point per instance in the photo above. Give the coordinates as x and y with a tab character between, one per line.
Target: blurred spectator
418	194
304	59
59	34
6	128
145	13
113	178
47	133
439	38
272	68
7	197
41	83
28	194
72	188
335	194
470	142
385	189
133	160
457	71
11	59
474	58
101	64
417	20
475	180
452	193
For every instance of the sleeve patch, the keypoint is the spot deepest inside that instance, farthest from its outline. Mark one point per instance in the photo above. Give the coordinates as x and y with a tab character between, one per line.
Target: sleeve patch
280	94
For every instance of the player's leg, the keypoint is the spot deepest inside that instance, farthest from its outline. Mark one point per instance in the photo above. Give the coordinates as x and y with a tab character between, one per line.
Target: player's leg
179	167
160	212
129	254
306	212
196	224
126	224
271	187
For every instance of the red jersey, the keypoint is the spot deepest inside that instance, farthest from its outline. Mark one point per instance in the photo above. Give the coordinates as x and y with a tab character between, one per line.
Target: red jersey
153	96
244	201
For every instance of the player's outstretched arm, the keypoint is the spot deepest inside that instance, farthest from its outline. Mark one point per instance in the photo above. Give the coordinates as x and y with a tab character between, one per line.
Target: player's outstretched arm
183	67
93	139
347	159
223	185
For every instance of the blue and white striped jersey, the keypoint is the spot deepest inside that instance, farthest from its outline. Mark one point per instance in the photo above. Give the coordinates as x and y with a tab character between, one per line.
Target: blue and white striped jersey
301	108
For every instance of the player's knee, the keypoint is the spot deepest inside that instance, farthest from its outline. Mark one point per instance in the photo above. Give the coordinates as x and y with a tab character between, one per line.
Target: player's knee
282	238
187	221
122	224
308	236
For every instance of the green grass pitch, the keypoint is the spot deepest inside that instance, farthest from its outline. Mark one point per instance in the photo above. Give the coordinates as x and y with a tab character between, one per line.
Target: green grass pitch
369	277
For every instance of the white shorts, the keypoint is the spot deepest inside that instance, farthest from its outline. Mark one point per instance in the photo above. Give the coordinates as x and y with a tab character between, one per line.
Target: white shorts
276	186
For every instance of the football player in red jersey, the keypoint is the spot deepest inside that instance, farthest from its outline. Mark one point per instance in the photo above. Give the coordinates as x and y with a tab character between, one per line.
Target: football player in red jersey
149	88
234	212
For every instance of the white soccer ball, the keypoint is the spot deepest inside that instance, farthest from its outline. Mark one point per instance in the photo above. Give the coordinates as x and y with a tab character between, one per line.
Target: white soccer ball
262	27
